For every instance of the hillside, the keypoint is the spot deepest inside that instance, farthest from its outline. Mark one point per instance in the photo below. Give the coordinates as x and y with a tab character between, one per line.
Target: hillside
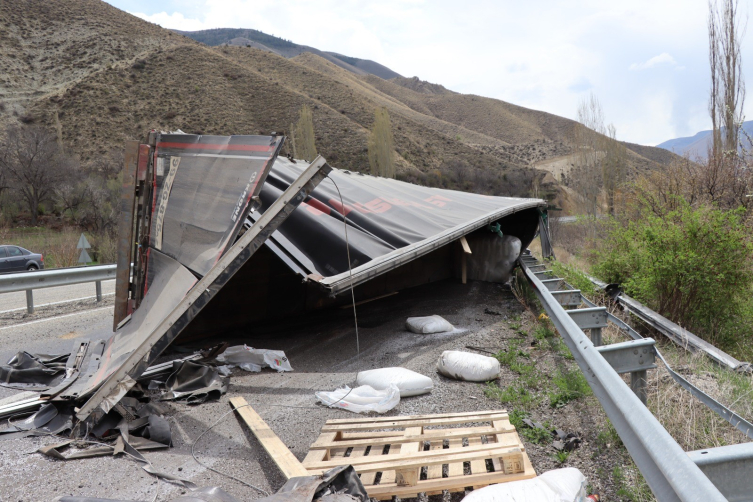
286	48
115	77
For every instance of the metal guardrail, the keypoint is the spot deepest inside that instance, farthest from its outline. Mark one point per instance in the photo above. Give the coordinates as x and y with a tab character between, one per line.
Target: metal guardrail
29	281
668	470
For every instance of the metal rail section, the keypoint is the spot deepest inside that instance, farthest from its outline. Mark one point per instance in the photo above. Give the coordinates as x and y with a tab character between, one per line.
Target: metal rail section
668	470
674	332
29	281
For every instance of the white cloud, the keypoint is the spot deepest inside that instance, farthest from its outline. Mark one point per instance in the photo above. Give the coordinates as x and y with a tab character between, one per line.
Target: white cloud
662	59
174	21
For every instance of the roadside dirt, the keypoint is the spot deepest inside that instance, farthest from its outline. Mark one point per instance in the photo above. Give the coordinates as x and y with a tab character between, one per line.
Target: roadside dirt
322	351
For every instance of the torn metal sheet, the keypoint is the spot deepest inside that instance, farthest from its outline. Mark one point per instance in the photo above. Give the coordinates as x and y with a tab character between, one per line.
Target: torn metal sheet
57	450
168	282
33	371
389	223
194	382
128	357
52	418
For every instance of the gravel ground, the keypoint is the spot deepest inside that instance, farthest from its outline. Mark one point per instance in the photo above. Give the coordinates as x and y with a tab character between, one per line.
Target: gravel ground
322	351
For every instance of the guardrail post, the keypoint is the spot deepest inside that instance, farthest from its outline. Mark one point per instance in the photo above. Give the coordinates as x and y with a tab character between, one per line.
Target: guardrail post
596	337
638	384
98	285
29	301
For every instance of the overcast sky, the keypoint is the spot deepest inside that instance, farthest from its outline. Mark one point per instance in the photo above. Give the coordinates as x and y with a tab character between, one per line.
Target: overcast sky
646	60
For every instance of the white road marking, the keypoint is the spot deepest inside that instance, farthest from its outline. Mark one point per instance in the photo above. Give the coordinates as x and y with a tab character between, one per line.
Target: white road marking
55	303
53	318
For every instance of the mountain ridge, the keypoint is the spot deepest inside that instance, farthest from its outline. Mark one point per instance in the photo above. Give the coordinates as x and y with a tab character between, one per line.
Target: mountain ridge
146	77
698	145
254	38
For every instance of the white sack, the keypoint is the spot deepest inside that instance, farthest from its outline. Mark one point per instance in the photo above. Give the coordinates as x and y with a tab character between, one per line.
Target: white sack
569	483
467	366
429	324
363	399
559	485
251	359
408	382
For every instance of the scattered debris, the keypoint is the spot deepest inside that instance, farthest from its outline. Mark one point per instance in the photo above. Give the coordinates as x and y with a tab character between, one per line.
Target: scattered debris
363	399
33	371
428	325
559	485
566	441
52	418
466	366
194	382
491	312
408	382
250	359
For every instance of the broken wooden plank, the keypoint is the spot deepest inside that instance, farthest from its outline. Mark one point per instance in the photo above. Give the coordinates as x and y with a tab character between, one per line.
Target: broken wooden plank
477	466
320	455
386	491
367	464
464	259
426	436
376	420
409	476
413	423
288	464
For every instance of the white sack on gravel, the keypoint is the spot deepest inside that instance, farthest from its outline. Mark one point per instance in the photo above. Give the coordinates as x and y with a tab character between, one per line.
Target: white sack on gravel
363	399
408	382
467	366
251	359
559	485
429	324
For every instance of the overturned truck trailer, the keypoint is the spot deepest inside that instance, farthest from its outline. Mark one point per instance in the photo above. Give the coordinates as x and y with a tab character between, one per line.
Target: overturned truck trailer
219	233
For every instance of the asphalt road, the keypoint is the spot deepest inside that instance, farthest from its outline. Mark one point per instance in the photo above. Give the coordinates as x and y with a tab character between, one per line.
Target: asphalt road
12	302
322	351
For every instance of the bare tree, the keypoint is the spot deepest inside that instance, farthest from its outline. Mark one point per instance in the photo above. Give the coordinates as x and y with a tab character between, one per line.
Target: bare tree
587	136
726	179
34	165
727	85
381	146
613	165
304	135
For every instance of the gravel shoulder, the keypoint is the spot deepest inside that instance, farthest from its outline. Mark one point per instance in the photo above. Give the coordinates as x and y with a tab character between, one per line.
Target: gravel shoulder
322	351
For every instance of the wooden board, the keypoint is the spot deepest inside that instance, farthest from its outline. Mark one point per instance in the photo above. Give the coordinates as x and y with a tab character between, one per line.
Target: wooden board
285	460
486	435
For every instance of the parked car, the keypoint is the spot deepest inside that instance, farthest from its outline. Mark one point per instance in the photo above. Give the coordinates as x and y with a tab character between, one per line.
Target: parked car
18	259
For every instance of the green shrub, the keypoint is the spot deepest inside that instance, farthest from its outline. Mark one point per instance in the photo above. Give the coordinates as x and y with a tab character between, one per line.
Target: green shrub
691	265
516	394
570	385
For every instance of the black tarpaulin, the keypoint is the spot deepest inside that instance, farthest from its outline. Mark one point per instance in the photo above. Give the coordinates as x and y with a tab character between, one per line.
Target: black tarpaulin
33	371
387	220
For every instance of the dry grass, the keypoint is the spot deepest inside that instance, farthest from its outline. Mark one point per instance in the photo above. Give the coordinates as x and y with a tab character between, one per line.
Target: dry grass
693	425
59	246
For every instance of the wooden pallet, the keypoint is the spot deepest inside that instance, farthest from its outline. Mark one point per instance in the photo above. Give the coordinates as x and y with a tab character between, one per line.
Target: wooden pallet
407	455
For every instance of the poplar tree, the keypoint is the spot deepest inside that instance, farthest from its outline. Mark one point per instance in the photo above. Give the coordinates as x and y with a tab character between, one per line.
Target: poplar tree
304	135
381	145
